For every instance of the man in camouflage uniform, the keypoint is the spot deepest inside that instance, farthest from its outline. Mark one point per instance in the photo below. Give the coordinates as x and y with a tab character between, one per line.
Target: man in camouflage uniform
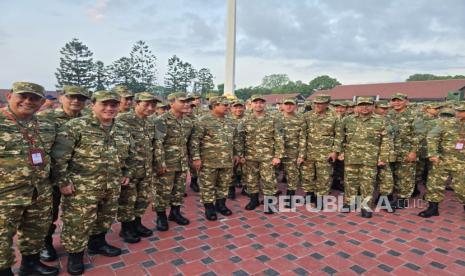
446	151
93	158
126	98
197	102
212	150
294	138
262	141
192	114
25	189
172	162
362	143
340	108
382	107
350	107
318	157
237	113
134	198
162	108
402	128
72	99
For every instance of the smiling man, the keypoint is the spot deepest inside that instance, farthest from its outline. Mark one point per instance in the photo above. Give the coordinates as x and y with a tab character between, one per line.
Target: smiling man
25	190
93	159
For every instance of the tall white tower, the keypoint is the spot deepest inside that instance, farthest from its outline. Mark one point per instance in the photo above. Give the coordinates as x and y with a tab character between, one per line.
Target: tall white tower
230	49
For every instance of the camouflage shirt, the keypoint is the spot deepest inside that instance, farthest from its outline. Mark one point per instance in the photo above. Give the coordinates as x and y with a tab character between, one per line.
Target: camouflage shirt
87	154
261	138
173	140
18	178
320	131
214	141
363	140
58	116
293	135
443	139
143	134
402	127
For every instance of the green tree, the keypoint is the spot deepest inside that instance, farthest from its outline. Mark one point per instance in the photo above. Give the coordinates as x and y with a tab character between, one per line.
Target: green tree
143	66
274	81
204	82
180	75
76	65
323	83
101	76
424	77
122	72
220	88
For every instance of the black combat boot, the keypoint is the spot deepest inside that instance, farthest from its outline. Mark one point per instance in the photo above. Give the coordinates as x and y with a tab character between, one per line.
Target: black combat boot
253	202
31	265
210	213
194	185
75	264
232	192
140	229
221	207
6	272
432	210
291	194
176	216
98	245
366	213
162	221
128	233
48	253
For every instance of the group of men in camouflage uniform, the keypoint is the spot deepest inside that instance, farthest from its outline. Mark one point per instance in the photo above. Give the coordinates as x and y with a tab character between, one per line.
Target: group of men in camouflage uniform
112	158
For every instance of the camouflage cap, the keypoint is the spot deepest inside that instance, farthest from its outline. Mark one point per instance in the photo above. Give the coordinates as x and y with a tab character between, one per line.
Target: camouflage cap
162	105
364	100
75	90
123	91
447	112
399	96
177	96
382	104
28	87
211	94
219	100
460	106
289	100
436	105
145	97
322	98
253	98
308	103
237	102
350	103
105	95
196	95
338	103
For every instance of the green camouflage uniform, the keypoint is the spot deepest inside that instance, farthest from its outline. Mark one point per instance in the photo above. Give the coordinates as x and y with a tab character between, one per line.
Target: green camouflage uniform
294	138
402	127
25	190
94	159
237	170
172	146
134	198
362	140
213	143
320	132
262	141
442	142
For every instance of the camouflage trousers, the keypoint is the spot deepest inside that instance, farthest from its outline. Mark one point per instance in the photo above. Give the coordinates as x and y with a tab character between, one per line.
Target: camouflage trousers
316	177
292	173
359	180
260	171
421	171
404	178
169	190
31	222
237	174
85	213
338	173
438	177
134	199
214	183
385	180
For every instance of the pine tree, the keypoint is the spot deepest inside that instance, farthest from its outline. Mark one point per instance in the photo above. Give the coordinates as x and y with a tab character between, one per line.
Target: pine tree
122	71
101	76
173	78
144	66
204	82
76	65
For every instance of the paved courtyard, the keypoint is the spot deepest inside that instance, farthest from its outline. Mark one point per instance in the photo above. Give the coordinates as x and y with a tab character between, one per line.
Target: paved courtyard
299	243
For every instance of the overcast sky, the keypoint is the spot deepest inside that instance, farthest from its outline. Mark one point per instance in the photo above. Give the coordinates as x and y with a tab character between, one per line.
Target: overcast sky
353	41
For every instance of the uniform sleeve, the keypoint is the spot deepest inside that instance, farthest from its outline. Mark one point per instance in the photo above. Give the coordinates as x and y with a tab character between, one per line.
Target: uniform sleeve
196	138
159	151
303	139
62	152
417	128
278	139
339	135
385	147
240	139
130	162
434	140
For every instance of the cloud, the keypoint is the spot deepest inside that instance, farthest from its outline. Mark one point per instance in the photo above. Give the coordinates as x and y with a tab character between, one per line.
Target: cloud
97	11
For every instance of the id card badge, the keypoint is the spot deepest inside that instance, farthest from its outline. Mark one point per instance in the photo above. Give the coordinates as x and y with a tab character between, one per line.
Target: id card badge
459	145
36	157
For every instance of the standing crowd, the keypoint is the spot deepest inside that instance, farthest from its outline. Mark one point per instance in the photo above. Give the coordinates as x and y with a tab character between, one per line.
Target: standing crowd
111	154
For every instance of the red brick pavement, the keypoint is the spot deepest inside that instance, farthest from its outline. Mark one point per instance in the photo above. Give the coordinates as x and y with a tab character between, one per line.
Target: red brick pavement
300	243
